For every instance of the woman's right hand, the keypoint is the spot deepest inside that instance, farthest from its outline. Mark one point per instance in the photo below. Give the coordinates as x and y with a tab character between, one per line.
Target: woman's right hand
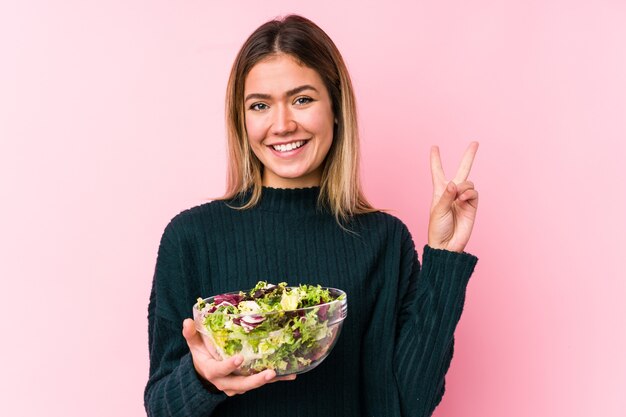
220	372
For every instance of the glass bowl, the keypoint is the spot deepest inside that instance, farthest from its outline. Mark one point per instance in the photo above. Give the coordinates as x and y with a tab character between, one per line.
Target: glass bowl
287	341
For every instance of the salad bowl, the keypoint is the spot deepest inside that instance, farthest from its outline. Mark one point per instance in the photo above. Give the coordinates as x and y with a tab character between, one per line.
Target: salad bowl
288	329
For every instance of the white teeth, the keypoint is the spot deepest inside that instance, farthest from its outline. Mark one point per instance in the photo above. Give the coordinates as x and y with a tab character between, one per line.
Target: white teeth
289	146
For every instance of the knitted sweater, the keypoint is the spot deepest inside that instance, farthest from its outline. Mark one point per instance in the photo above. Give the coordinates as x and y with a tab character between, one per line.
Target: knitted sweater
397	340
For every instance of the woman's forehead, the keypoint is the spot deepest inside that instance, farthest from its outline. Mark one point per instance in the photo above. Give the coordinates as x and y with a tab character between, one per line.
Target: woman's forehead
280	73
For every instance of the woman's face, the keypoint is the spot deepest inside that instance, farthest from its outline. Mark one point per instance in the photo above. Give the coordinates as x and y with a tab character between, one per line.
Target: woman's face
289	121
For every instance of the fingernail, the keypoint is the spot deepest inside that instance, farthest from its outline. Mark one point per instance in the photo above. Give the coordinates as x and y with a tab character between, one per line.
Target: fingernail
269	375
238	361
450	187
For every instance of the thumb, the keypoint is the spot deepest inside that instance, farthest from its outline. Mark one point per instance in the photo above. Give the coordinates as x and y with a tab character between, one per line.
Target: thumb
448	196
191	335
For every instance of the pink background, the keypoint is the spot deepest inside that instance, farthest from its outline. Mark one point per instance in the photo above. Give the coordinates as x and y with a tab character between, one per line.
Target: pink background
111	123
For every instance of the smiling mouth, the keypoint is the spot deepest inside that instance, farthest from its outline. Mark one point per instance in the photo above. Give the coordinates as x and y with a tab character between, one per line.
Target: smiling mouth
289	146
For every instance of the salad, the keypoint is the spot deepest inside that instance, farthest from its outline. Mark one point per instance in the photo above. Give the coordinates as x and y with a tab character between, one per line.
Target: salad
288	329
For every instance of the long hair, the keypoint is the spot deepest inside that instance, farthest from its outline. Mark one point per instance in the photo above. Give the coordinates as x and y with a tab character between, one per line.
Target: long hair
340	187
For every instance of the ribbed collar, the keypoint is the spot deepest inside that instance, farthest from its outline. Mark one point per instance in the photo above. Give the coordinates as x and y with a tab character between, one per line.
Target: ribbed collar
287	200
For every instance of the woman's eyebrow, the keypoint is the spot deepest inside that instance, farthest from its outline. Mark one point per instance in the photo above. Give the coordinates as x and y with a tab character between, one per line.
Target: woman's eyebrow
300	89
289	93
257	96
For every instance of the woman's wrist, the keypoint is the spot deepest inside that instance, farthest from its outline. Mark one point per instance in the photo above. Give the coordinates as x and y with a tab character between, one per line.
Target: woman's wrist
207	384
444	247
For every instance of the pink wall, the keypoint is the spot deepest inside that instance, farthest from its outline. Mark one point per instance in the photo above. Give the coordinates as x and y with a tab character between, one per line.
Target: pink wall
111	123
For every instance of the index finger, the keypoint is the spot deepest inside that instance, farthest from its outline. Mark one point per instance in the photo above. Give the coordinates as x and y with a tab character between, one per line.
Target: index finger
242	384
221	369
436	170
466	163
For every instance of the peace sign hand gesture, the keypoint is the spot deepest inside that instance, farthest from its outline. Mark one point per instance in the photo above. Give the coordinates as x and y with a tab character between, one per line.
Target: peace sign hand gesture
454	205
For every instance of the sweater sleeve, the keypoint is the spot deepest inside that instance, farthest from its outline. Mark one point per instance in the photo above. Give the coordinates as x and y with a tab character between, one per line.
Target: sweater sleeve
431	308
173	388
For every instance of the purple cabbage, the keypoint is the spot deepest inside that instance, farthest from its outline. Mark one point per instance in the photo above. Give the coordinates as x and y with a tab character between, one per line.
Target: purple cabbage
322	313
250	322
232	299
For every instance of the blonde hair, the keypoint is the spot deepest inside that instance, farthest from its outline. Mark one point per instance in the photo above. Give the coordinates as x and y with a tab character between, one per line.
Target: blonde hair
340	187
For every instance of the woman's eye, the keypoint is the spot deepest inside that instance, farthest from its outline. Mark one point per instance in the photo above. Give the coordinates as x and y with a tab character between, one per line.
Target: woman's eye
258	106
303	100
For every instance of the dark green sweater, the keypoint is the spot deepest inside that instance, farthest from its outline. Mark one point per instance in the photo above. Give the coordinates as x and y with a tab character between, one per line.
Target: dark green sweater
396	343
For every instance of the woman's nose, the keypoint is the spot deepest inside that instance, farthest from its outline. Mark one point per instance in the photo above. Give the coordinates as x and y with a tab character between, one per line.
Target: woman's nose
283	122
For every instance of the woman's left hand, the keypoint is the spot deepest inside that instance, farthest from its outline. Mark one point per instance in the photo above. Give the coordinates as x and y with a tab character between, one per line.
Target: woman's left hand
454	205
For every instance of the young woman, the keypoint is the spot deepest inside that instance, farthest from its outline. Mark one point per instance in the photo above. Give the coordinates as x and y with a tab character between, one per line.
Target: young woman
294	211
